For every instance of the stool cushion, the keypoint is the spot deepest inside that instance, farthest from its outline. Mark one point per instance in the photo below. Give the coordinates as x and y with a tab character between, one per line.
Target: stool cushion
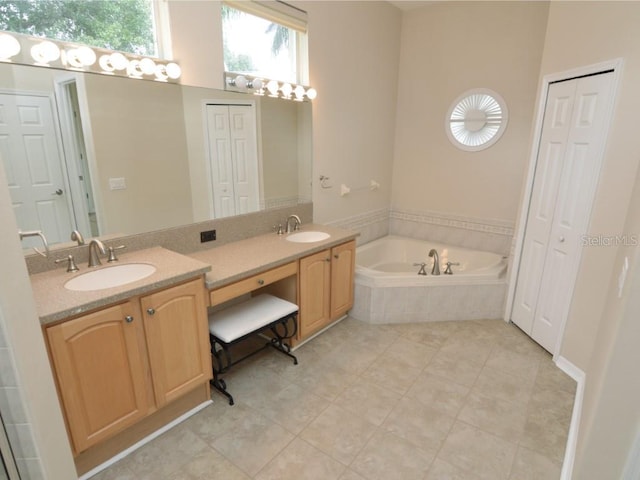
246	317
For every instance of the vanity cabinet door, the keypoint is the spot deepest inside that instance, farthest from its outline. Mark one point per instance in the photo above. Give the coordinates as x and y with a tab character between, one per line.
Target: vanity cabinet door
343	264
100	367
314	292
175	322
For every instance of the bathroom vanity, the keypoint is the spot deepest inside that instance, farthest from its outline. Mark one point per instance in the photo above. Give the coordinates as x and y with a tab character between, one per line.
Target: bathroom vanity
129	359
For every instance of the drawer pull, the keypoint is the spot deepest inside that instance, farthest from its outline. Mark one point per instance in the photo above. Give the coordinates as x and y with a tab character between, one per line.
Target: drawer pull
128	319
260	282
151	311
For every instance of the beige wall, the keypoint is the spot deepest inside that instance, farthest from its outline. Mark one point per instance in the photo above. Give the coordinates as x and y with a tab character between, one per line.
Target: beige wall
447	49
595	340
353	56
139	135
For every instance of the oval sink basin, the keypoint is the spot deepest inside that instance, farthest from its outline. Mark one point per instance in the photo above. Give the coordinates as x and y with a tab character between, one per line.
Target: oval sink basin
307	237
109	277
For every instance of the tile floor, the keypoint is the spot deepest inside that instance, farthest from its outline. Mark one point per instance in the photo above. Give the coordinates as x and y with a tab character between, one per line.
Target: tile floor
441	400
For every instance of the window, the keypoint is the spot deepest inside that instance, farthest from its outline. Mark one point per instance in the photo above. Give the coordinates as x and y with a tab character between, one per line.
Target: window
265	39
124	25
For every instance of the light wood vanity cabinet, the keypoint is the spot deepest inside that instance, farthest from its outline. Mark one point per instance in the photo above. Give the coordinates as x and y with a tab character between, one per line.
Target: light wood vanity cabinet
100	365
120	364
325	287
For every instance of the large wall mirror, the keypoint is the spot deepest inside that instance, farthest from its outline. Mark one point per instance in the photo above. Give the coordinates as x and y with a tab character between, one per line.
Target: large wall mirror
118	156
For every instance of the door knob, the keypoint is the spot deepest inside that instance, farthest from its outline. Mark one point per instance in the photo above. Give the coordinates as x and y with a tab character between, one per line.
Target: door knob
57	192
561	239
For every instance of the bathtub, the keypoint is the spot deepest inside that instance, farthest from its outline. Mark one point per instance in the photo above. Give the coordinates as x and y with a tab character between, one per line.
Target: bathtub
388	288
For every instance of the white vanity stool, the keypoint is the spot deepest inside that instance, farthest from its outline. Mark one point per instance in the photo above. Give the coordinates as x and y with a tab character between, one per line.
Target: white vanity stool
234	324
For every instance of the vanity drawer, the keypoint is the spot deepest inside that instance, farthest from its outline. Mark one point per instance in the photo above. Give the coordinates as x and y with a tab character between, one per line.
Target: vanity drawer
254	282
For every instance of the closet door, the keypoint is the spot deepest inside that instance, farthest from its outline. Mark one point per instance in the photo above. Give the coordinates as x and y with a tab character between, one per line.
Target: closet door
233	158
567	170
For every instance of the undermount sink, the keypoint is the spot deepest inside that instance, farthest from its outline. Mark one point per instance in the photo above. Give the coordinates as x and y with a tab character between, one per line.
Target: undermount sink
109	277
307	237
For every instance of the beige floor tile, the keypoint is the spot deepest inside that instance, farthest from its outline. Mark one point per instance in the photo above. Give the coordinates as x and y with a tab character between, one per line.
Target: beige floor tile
473	349
495	416
369	401
339	433
392	373
431	334
118	471
208	465
451	366
546	434
514	363
550	377
351	475
494	383
293	407
420	424
439	393
388	457
412	353
253	442
299	460
530	465
354	359
217	419
441	470
325	379
472	450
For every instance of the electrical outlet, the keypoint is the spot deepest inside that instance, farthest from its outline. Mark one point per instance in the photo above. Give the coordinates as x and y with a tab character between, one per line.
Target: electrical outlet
207	236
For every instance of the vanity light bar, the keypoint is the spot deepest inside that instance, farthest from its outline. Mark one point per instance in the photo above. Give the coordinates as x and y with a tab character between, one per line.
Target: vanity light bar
240	82
27	50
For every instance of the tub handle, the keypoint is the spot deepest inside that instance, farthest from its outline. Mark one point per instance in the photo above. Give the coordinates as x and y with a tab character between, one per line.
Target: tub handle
422	271
447	271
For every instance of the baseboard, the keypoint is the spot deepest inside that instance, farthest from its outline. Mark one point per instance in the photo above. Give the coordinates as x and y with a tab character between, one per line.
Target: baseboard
572	440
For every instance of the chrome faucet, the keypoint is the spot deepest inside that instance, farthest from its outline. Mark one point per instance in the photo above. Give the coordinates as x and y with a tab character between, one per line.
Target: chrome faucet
95	245
76	236
296	225
435	270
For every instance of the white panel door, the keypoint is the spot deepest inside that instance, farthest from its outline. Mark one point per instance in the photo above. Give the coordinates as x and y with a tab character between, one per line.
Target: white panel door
33	163
233	159
567	170
245	158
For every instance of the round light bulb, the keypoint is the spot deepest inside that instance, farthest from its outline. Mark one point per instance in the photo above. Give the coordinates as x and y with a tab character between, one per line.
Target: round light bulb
147	66
133	69
286	90
45	52
299	93
312	93
105	64
118	61
86	56
9	46
173	70
241	82
272	86
161	73
256	84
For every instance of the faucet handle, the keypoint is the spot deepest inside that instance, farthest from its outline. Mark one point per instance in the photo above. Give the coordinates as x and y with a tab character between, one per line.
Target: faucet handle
447	271
71	264
279	229
112	253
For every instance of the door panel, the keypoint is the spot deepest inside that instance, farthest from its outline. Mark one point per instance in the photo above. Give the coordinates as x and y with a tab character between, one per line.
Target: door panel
551	247
33	162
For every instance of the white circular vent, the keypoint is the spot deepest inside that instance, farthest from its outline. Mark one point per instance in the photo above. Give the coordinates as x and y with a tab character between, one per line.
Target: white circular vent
476	120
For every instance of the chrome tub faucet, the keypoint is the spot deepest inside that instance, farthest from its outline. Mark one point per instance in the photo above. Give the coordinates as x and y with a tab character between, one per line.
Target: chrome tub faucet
435	270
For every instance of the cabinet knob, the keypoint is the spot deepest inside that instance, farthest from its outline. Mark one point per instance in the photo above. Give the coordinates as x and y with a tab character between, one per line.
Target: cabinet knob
327	259
337	255
151	311
128	319
260	282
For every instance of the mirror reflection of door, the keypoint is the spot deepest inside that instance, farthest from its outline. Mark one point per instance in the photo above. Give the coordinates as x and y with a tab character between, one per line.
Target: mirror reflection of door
34	166
233	159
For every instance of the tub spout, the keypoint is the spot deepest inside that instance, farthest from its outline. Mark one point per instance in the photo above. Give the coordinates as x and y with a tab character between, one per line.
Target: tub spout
435	270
